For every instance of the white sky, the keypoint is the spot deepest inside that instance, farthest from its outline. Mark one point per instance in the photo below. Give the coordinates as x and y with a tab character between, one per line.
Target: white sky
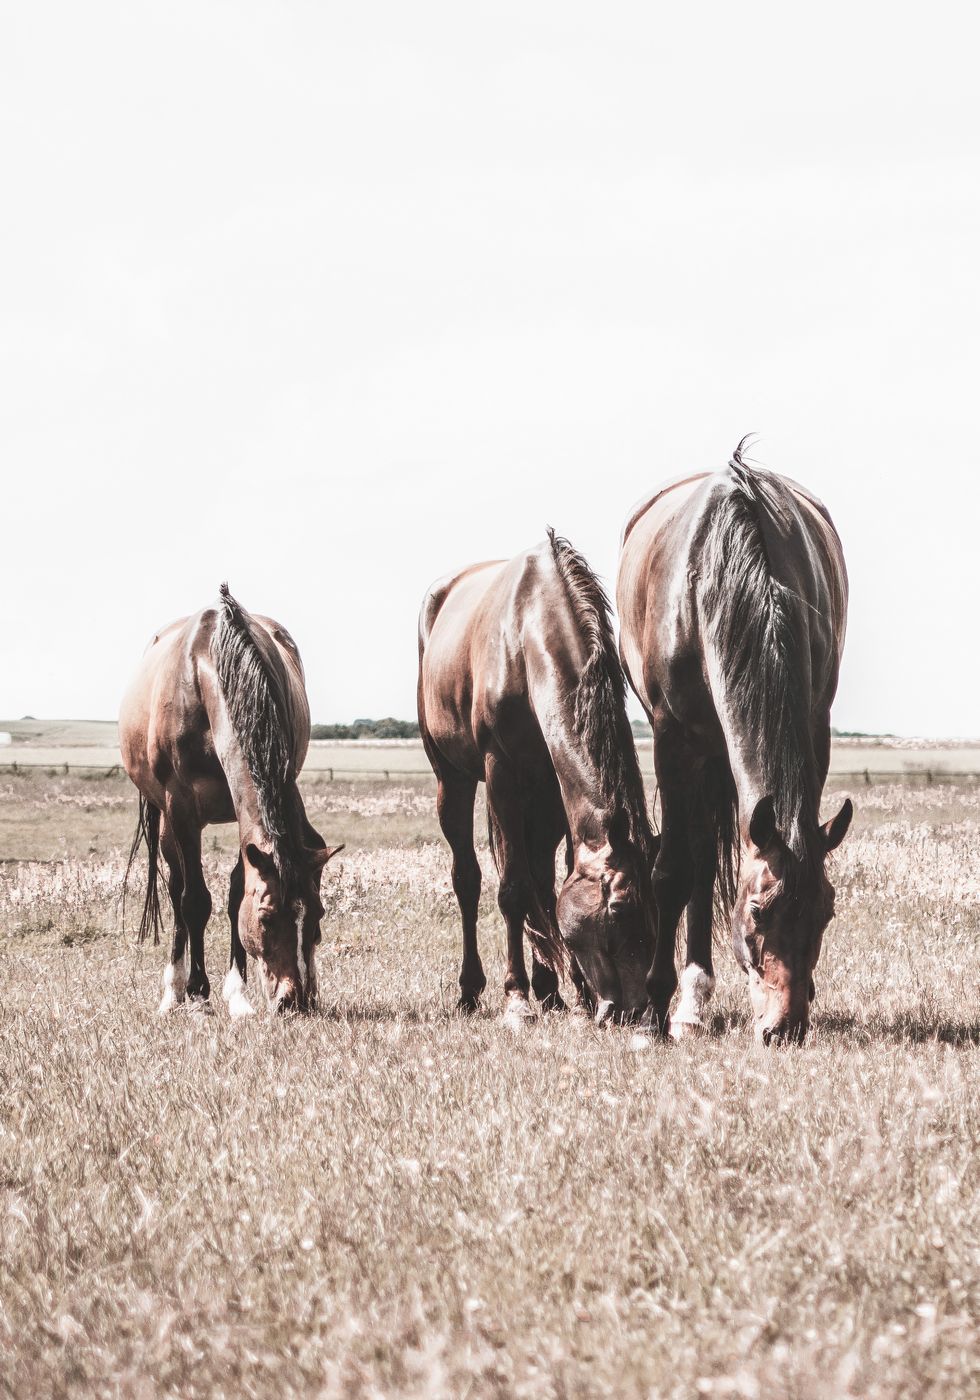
330	299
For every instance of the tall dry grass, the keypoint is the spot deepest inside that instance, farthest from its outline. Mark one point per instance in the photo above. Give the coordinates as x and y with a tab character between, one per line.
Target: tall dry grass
388	1200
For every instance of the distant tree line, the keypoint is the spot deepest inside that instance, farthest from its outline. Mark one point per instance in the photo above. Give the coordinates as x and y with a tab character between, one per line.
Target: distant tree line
368	729
390	728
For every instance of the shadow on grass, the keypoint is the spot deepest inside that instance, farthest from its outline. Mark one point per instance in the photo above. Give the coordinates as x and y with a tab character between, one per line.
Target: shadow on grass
381	1015
908	1029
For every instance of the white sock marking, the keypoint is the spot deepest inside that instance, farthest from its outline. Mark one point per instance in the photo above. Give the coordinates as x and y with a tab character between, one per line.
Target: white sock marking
174	984
696	991
233	993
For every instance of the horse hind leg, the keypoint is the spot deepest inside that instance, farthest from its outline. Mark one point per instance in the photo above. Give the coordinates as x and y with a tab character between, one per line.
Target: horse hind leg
454	803
195	903
175	972
233	988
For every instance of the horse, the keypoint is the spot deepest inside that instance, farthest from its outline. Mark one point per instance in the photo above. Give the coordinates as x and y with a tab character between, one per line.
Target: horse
215	728
520	686
732	597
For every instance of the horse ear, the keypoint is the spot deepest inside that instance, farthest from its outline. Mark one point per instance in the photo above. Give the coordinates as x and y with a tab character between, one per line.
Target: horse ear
318	859
835	830
762	827
260	860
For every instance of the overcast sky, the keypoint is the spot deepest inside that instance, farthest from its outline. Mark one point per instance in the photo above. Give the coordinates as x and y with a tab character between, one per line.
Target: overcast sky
328	300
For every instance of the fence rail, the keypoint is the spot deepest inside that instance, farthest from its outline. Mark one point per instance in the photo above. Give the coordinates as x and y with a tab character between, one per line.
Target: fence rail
868	776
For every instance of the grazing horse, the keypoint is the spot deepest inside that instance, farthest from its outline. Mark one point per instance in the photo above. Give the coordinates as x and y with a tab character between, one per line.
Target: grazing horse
732	595
520	686
215	728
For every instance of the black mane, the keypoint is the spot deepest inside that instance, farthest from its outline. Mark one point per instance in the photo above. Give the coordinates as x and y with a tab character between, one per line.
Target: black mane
757	629
600	701
255	694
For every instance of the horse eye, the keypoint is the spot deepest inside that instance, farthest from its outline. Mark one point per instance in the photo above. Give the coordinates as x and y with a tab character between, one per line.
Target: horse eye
758	914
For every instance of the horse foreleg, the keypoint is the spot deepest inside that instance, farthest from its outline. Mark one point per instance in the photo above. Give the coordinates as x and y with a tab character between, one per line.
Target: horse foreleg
545	829
515	895
233	990
698	977
674	872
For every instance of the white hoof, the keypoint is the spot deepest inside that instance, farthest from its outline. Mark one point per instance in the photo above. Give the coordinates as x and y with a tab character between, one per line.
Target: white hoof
233	995
169	1002
518	1013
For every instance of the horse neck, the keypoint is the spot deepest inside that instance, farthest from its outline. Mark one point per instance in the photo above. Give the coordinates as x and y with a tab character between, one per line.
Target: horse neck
584	790
745	750
241	785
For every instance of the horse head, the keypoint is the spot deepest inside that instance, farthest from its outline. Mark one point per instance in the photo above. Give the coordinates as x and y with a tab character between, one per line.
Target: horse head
279	924
605	912
782	907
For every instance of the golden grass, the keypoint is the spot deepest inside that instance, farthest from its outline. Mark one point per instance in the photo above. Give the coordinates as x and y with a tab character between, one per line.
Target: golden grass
389	1200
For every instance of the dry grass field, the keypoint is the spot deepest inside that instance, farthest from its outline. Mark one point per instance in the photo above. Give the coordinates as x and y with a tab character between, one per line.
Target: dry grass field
388	1200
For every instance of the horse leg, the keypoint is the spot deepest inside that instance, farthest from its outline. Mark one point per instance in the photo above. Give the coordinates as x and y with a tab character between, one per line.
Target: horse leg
233	990
195	902
698	977
545	828
673	873
175	973
516	892
454	803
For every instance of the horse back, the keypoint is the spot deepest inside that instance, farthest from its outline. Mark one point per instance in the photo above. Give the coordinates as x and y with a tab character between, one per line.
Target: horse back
486	636
661	580
173	712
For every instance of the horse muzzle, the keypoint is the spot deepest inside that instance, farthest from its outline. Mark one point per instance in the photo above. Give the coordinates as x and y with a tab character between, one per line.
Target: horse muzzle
786	1030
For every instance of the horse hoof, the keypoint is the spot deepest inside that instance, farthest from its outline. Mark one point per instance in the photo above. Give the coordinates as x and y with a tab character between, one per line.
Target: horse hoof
200	1006
169	1003
233	994
518	1014
468	1006
553	1005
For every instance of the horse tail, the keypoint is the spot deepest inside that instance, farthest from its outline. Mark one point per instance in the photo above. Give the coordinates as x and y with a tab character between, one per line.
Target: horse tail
147	834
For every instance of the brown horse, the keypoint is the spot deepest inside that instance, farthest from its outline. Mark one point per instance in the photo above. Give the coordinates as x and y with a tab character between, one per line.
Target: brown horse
215	728
732	595
520	686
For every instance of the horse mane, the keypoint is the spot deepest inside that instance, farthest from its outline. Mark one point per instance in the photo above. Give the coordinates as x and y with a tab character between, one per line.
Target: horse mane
600	717
756	628
256	699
